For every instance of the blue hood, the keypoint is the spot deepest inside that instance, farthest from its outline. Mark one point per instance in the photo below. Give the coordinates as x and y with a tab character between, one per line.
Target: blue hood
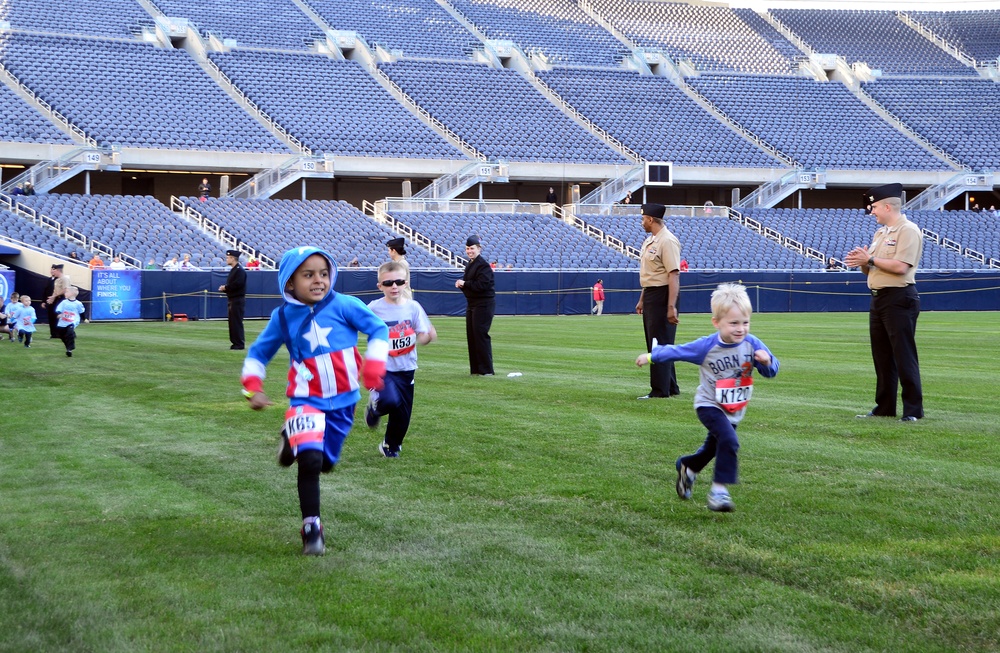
291	261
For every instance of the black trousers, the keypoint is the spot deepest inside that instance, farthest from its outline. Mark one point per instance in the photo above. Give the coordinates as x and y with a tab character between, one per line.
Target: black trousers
478	320
50	309
237	307
68	335
892	325
399	413
662	378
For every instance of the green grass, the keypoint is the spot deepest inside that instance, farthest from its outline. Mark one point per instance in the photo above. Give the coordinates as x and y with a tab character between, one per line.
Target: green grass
141	508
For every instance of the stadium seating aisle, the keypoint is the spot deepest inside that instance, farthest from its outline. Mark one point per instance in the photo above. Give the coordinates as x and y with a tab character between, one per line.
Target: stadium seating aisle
655	118
411	28
524	240
712	38
836	231
19	228
136	225
973	229
499	113
332	106
134	94
277	24
961	116
976	33
558	30
819	124
877	38
275	226
22	124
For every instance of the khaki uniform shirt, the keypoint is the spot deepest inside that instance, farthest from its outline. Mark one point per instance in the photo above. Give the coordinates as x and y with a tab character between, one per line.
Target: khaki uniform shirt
902	242
661	255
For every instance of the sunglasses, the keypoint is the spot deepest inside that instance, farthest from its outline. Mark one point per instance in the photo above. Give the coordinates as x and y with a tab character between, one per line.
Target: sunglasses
388	283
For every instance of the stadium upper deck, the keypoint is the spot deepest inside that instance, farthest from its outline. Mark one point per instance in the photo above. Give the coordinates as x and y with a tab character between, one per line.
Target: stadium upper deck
189	84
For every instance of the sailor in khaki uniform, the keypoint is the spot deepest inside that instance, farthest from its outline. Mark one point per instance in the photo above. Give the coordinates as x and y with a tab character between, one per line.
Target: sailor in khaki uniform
890	263
659	276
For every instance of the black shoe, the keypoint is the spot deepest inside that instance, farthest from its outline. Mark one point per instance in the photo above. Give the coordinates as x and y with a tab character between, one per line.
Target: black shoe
69	354
908	418
313	543
651	396
871	414
236	347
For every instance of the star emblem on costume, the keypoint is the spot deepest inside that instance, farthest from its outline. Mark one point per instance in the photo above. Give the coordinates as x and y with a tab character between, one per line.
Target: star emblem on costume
317	336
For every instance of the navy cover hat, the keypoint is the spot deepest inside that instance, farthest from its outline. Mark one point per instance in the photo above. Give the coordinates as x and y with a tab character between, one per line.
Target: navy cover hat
883	192
472	240
57	266
398	244
654	210
232	252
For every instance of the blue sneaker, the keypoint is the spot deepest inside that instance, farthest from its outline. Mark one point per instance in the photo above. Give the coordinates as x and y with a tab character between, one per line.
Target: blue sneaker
371	417
720	501
685	480
386	452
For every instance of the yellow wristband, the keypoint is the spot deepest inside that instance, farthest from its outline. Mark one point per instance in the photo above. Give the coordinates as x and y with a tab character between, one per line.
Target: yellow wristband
248	393
649	358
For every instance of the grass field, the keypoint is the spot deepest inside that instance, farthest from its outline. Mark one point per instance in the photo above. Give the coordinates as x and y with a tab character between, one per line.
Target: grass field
141	508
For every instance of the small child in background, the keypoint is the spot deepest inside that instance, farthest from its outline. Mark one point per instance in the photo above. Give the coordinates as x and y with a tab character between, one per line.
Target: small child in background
727	359
69	311
409	326
9	316
319	327
26	319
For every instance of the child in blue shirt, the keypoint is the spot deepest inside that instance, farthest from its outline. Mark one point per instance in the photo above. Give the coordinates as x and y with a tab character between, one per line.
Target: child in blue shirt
26	319
9	317
727	359
408	327
319	328
69	311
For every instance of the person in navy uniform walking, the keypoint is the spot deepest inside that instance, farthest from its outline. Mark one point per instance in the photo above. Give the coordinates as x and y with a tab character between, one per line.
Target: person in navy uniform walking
236	291
477	286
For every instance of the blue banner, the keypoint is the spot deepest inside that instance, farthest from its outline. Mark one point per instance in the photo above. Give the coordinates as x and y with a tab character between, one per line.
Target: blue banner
6	285
115	295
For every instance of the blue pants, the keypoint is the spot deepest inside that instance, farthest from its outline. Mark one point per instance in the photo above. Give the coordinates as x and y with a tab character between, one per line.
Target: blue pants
721	444
399	391
338	425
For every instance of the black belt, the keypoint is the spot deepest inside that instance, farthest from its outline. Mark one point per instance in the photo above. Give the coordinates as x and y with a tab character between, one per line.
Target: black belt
885	291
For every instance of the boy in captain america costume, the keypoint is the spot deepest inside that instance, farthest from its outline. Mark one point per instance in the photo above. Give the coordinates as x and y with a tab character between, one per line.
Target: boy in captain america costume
727	359
319	328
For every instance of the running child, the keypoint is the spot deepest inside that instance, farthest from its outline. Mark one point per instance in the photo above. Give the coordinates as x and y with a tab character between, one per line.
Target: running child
69	311
727	359
319	327
26	319
9	318
408	327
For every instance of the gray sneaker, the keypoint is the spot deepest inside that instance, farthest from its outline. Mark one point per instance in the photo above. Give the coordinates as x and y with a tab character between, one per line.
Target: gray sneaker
684	480
313	542
720	502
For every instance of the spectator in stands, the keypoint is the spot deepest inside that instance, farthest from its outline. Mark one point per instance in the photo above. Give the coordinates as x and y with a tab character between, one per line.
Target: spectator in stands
975	207
29	189
253	263
95	263
172	265
551	196
994	212
477	286
628	198
354	263
684	265
152	265
187	265
830	265
204	190
18	190
55	290
117	263
236	291
73	256
493	264
890	263
598	298
659	276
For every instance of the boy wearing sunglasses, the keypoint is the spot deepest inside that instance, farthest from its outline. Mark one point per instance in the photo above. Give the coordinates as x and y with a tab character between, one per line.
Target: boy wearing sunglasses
408	327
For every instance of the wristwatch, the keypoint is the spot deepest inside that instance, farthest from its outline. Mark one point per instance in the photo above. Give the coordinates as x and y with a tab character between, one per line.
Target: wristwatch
871	261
